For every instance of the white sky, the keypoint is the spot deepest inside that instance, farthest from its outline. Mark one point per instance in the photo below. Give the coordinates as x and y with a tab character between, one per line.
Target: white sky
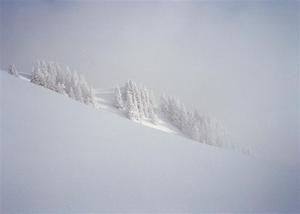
236	61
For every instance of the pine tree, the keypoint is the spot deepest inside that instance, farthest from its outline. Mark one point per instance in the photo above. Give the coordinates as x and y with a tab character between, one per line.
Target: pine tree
74	80
164	105
12	70
72	94
60	88
139	103
118	98
152	115
68	80
144	102
131	108
84	89
51	76
78	94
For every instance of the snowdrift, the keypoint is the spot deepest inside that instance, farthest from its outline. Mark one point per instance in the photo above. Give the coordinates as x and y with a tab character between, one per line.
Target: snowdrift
58	155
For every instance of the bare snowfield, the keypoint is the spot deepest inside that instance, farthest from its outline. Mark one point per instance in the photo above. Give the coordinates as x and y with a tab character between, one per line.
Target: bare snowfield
60	156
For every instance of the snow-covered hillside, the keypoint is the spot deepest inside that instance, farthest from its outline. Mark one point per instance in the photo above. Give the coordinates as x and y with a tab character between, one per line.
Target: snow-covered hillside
132	101
60	156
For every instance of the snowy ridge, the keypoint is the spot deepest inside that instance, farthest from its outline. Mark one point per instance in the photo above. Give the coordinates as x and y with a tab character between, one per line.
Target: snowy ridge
132	101
62	157
105	101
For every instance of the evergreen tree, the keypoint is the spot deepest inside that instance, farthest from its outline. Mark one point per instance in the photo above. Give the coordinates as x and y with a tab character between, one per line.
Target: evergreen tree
51	76
118	98
12	70
60	88
72	94
132	112
78	94
145	104
152	115
38	76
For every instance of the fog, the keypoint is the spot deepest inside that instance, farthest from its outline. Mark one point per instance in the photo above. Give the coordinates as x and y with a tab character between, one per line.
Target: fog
235	61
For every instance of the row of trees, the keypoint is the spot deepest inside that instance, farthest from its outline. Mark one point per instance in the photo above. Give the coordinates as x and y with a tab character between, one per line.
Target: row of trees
191	123
62	80
137	102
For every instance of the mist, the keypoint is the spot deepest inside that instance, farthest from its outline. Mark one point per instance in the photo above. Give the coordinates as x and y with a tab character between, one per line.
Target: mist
235	61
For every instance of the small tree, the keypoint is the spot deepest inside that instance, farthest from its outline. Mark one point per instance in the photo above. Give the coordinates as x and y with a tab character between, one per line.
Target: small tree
12	70
39	76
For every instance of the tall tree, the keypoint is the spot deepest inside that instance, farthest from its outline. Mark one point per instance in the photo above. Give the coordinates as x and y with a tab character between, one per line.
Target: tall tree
118	102
131	108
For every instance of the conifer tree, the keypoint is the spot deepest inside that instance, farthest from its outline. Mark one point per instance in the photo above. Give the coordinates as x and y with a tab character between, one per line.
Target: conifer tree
118	103
12	70
131	107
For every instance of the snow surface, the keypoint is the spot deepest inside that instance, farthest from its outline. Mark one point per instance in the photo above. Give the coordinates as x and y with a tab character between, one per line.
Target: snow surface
58	155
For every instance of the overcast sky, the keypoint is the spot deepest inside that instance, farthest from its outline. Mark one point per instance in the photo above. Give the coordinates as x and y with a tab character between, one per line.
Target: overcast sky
235	61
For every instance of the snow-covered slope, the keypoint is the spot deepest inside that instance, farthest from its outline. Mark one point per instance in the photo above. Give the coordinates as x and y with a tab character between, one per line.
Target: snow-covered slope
105	100
60	156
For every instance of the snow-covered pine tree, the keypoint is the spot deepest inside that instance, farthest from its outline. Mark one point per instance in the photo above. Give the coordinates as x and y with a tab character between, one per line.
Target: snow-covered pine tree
164	105
12	70
132	112
78	94
131	101
84	89
184	120
118	102
134	94
68	80
152	116
139	103
61	88
74	80
38	76
195	132
145	104
60	74
72	94
51	77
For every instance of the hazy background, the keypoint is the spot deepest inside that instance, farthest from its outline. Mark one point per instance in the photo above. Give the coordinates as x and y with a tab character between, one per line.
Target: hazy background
236	61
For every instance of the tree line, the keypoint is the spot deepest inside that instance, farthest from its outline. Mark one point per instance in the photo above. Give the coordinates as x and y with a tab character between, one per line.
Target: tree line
137	102
64	81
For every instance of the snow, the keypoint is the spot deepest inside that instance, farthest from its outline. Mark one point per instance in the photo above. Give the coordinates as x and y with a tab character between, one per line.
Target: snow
61	156
132	101
24	76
